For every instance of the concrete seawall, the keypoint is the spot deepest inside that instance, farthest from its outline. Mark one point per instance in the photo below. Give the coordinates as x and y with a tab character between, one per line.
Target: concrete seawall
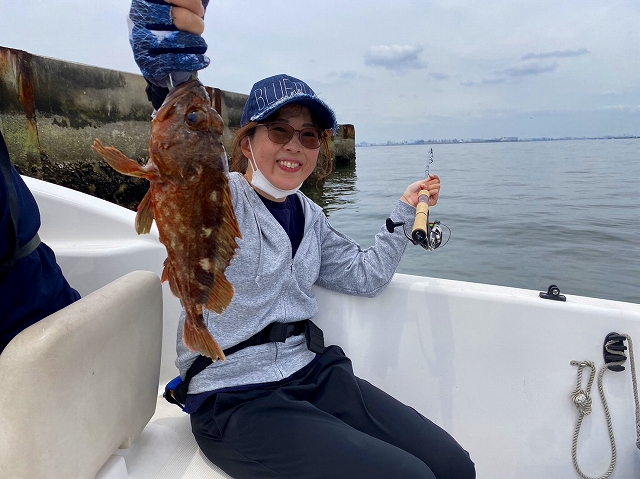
51	111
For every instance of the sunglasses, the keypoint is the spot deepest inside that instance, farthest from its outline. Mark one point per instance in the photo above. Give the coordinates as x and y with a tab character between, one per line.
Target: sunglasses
281	133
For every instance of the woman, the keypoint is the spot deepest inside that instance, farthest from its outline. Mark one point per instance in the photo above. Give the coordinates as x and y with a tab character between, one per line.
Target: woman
287	406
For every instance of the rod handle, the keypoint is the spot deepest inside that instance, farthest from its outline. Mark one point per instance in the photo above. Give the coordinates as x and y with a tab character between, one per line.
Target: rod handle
419	231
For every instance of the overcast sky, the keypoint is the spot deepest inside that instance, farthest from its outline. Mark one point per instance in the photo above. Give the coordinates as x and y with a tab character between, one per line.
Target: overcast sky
398	70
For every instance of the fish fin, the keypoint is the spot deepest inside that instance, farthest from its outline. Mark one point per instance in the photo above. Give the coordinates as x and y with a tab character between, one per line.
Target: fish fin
215	290
232	223
145	216
119	162
229	232
199	339
167	275
221	294
165	271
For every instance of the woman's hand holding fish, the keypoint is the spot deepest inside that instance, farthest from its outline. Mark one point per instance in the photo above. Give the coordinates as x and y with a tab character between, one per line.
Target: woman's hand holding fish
432	185
165	37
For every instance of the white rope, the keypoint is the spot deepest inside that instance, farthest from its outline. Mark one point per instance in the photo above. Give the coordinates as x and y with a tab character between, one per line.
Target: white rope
582	400
635	388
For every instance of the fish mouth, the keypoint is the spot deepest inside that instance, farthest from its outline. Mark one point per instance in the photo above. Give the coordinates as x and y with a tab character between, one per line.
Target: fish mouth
178	92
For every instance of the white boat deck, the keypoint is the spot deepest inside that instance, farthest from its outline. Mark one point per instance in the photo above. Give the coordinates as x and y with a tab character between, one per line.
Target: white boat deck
166	449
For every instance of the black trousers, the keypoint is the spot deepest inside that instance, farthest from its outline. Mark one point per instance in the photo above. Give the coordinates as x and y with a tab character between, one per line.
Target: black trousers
323	422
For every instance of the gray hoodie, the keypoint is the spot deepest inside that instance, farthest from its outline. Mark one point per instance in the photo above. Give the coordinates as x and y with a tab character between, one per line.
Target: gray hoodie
271	286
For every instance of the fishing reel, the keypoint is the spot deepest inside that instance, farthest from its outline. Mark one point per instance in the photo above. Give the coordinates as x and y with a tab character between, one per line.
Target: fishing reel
424	233
429	238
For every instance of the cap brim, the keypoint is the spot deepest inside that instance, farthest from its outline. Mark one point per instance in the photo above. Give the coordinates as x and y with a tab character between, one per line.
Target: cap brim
320	110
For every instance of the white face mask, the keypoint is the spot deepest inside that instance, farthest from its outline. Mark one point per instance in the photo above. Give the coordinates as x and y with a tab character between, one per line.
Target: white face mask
259	181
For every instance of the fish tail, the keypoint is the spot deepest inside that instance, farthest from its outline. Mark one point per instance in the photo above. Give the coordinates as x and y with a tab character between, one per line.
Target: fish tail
199	339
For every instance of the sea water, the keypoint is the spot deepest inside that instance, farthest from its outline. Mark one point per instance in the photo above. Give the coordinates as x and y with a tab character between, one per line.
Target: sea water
521	214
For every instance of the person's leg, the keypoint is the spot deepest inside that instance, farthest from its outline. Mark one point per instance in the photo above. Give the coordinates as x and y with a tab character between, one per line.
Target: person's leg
277	436
375	413
407	429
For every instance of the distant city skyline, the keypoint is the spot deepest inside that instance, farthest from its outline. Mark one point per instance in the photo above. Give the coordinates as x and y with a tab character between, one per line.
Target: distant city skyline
504	139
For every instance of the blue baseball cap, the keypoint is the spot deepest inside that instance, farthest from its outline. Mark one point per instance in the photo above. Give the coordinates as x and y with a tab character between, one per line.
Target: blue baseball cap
269	95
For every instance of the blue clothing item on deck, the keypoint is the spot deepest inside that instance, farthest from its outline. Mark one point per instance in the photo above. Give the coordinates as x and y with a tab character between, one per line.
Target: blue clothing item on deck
34	287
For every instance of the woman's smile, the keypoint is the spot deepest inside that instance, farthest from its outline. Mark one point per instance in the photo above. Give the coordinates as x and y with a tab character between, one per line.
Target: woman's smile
288	165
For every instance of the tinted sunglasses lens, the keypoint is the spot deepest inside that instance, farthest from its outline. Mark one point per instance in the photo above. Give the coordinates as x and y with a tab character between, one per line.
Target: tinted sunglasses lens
310	138
280	133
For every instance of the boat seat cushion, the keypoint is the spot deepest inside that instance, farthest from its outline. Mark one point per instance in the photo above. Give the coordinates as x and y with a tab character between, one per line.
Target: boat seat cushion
81	382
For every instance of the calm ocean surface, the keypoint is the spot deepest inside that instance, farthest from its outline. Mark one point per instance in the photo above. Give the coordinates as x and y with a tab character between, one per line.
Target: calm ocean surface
526	214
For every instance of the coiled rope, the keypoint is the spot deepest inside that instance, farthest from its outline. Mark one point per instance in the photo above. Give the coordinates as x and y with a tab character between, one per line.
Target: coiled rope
582	400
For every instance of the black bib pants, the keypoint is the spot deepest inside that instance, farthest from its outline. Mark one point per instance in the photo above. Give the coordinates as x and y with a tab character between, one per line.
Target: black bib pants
323	422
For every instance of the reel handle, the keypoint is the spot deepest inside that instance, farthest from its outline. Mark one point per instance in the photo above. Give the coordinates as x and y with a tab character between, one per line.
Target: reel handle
392	225
419	231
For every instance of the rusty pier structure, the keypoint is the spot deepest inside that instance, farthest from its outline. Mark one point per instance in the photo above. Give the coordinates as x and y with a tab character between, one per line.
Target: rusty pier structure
51	111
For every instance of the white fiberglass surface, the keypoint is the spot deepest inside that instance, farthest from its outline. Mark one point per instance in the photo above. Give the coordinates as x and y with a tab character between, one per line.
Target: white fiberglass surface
491	365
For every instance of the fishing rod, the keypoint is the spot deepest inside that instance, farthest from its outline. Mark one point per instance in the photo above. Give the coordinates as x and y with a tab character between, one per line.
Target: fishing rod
424	233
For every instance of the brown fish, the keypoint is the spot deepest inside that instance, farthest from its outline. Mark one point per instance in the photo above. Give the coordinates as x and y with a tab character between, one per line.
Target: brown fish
190	200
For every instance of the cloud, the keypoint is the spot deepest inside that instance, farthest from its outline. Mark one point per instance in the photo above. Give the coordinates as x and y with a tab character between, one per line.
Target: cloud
395	57
520	69
341	76
493	80
530	64
556	54
439	76
530	67
628	108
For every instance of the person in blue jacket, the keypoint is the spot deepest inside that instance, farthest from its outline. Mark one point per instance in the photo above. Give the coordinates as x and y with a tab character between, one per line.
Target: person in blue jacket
282	405
32	285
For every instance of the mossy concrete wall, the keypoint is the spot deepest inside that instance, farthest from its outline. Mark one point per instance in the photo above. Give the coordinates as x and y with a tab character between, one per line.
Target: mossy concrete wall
344	146
51	111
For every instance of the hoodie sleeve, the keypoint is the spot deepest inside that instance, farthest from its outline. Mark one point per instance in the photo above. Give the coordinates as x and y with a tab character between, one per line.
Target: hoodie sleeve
347	268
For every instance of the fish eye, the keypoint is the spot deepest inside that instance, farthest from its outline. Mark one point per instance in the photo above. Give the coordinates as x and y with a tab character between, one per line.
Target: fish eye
195	118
